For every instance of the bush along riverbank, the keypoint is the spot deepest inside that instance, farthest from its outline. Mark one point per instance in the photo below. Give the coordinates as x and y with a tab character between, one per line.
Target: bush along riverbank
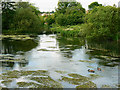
67	31
22	18
98	22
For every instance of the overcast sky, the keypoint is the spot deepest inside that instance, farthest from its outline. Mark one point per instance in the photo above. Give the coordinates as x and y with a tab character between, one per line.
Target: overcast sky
49	5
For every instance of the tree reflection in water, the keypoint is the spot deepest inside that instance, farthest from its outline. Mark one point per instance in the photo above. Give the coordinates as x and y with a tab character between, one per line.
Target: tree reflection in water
16	47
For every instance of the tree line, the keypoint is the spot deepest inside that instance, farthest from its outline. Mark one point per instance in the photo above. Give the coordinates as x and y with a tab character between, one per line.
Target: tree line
21	17
98	22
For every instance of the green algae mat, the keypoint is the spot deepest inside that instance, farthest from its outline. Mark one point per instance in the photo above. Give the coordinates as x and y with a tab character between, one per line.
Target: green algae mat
42	79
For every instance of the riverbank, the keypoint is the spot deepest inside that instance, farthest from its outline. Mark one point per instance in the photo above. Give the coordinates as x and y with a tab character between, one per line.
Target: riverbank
79	31
67	31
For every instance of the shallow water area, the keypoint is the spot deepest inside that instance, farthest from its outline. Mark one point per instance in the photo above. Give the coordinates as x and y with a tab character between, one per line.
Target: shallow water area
58	58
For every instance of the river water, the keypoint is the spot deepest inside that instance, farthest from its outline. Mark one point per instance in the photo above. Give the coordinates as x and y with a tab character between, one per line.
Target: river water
53	53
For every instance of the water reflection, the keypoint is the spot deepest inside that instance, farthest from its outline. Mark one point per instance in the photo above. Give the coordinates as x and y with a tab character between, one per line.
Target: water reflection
13	46
68	45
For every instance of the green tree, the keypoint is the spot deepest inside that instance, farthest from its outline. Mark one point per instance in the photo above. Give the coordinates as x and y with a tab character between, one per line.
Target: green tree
62	6
28	5
61	20
102	22
93	4
73	15
26	21
50	19
8	11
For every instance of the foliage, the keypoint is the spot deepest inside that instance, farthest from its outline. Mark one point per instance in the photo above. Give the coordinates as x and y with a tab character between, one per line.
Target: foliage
93	4
61	20
99	23
26	23
28	5
8	11
62	6
69	13
21	17
67	31
50	19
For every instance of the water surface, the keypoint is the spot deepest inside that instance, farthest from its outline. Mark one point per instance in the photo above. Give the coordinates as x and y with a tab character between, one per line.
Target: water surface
54	53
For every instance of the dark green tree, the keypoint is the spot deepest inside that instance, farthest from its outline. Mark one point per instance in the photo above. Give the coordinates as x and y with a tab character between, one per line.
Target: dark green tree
50	19
28	5
62	6
26	21
102	22
94	4
8	11
73	14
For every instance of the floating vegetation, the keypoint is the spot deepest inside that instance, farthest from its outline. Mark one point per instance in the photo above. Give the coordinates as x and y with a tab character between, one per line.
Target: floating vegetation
51	47
87	85
26	73
61	72
47	82
89	61
6	82
11	74
106	86
93	76
107	57
46	50
17	37
74	75
39	72
90	67
80	80
52	36
72	80
76	79
41	77
29	84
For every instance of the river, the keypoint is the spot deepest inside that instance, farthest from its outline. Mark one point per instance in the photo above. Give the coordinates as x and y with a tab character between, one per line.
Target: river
70	55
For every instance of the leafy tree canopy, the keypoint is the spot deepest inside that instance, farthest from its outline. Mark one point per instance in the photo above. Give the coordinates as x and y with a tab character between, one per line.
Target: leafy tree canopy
100	23
94	4
62	6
